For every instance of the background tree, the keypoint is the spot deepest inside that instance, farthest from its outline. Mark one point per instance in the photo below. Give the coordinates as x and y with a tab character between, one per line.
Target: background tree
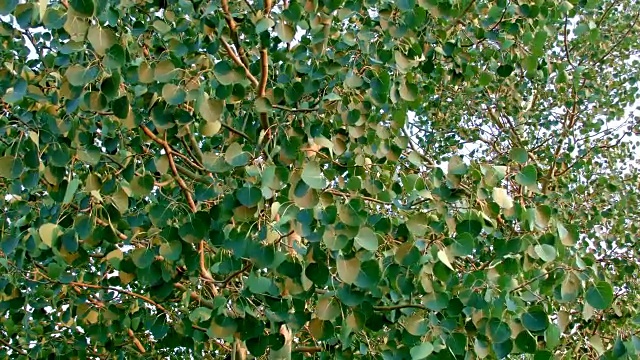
337	179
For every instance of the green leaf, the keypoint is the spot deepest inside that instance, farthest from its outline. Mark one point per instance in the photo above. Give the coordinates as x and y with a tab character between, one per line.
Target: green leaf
526	343
120	107
236	156
317	273
200	314
519	155
285	32
421	351
328	308
80	76
101	38
142	258
367	239
225	73
471	227
457	166
142	185
503	349
72	187
11	167
83	7
49	233
535	320
498	331
171	251
348	269
528	176
546	252
249	196
504	70
173	94
312	175
7	7
600	295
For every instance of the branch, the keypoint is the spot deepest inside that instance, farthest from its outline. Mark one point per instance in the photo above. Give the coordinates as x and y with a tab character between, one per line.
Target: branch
172	165
234	32
238	62
307	349
194	144
19	351
204	272
566	46
262	87
122	291
194	296
170	150
237	132
120	235
462	14
368	198
280	107
399	306
226	281
526	283
624	36
136	342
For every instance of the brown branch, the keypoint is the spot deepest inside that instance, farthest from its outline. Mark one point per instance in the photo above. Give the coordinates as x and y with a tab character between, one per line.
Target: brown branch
367	198
307	349
172	165
226	281
566	45
136	342
170	150
624	36
194	144
204	272
239	62
19	351
120	235
262	86
122	291
237	132
264	75
399	306
280	107
537	277
462	14
233	31
194	296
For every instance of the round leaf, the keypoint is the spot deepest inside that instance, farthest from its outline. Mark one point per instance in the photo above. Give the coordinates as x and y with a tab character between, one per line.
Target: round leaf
600	295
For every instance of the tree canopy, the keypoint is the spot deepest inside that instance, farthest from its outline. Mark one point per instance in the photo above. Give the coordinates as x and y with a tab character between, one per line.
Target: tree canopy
331	179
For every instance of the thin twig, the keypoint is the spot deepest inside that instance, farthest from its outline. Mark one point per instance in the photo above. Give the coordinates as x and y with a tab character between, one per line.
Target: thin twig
195	145
566	45
367	198
19	351
226	281
280	107
624	36
237	132
233	31
172	165
399	306
127	292
239	62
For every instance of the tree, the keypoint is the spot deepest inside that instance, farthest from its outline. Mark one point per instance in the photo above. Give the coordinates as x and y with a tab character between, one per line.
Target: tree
330	179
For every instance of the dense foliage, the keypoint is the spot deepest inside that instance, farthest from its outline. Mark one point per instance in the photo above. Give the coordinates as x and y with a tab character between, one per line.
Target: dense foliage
411	179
